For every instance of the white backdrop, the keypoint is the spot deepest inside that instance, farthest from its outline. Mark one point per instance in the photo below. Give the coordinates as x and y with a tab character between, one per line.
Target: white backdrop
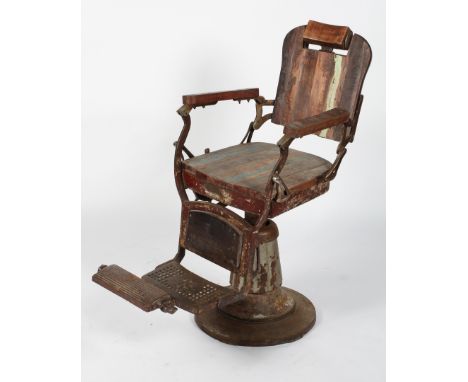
139	57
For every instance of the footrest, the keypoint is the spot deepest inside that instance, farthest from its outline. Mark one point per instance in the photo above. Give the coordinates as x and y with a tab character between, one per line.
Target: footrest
139	292
191	292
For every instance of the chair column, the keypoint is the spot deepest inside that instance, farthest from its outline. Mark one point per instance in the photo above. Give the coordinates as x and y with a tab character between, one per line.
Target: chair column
265	314
265	299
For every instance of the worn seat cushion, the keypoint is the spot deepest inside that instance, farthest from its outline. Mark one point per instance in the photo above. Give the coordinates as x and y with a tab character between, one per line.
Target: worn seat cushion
238	176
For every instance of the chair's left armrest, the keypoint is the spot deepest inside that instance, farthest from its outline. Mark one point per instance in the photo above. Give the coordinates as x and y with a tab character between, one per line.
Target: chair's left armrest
312	125
204	99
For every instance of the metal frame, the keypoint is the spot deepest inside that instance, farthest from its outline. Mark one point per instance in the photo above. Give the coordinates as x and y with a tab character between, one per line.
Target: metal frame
275	188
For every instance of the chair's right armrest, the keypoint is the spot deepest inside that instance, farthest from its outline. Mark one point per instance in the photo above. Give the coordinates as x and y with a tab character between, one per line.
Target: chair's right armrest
312	125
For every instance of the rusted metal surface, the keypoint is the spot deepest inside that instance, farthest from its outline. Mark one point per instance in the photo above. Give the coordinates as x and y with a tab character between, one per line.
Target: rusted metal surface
347	137
269	231
260	118
257	307
189	291
184	112
270	186
214	239
355	120
140	293
234	331
185	150
266	268
298	199
260	272
264	299
217	210
247	240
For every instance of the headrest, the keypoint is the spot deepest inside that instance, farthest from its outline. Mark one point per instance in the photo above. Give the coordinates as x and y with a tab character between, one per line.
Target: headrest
332	36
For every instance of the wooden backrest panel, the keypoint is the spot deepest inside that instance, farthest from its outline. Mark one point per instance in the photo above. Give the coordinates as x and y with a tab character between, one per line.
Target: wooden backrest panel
327	35
314	81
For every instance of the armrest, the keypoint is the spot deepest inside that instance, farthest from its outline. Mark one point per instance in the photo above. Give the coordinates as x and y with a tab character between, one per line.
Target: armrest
312	125
204	99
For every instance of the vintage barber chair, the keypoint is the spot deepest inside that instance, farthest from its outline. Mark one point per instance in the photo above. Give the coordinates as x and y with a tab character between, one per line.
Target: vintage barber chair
319	92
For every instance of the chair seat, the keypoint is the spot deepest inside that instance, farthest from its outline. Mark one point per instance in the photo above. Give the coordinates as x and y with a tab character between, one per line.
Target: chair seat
238	176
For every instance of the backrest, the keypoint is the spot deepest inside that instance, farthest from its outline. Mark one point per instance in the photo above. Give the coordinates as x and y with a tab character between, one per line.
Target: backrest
313	81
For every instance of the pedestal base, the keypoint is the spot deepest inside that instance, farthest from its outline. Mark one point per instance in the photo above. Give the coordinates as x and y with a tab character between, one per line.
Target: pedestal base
234	331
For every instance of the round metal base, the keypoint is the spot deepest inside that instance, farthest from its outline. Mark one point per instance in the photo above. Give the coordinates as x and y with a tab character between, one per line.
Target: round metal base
234	331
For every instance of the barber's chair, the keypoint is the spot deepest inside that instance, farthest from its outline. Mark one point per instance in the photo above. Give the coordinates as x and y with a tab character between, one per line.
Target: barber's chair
319	92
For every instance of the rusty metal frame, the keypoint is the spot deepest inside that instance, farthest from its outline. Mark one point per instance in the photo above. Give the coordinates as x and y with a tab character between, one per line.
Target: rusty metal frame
275	188
260	118
348	136
184	112
249	240
340	153
274	178
249	232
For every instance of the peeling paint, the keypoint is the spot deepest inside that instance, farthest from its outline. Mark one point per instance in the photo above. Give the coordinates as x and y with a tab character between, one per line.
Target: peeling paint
331	95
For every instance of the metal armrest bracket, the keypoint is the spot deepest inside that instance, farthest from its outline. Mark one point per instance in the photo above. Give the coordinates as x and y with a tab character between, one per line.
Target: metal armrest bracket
260	119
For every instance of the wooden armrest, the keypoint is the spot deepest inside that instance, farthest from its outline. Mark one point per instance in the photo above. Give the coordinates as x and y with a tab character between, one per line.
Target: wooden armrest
312	125
204	99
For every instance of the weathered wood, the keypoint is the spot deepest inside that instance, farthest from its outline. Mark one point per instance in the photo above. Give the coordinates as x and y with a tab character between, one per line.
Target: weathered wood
356	65
311	125
333	36
238	175
312	81
205	99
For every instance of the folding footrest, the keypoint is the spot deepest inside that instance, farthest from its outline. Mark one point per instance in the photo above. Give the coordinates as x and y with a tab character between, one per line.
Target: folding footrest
191	292
139	292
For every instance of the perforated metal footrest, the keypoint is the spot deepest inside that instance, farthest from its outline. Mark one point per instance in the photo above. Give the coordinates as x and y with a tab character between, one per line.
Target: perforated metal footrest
139	292
191	292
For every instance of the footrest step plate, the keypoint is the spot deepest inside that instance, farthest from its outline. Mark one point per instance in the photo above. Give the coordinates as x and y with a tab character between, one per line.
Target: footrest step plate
139	292
190	291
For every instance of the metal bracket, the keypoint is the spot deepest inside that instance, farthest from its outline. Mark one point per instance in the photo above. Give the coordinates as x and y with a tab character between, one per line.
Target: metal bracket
260	119
185	150
184	110
282	191
341	152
